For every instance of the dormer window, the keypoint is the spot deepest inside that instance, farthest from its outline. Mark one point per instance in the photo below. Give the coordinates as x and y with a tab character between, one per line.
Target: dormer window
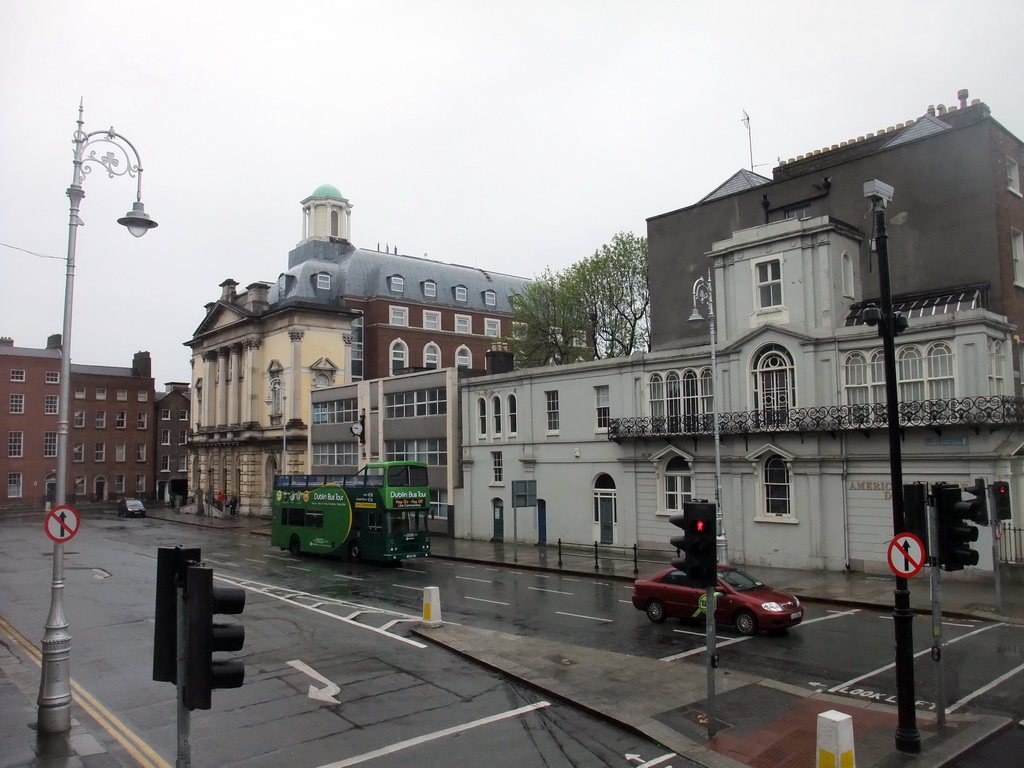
281	283
397	284
460	293
429	289
323	281
490	298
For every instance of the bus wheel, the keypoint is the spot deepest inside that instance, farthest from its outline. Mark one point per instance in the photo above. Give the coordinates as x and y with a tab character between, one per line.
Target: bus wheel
294	546
355	552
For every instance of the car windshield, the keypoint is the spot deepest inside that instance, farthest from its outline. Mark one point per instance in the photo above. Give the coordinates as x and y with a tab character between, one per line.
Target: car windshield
133	504
738	580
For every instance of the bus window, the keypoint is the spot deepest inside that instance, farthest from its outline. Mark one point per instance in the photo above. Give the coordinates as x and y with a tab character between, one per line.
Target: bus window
314	519
374	519
293	516
399	521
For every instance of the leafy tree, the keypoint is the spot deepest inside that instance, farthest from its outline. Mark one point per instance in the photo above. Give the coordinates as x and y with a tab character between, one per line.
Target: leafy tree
548	327
596	308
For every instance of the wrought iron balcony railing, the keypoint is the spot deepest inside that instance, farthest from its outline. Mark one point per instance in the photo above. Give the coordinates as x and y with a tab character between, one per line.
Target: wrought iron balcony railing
995	411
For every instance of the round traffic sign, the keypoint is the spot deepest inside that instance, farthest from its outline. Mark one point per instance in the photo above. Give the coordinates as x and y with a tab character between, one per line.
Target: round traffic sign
61	523
906	555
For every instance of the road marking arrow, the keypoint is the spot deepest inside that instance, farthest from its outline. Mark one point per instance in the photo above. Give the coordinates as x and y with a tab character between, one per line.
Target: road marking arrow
320	694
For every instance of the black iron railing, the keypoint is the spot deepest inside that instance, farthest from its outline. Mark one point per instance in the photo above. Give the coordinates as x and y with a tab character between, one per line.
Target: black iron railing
996	411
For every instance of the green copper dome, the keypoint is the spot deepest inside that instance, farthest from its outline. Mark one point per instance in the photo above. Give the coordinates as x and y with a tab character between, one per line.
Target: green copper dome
327	190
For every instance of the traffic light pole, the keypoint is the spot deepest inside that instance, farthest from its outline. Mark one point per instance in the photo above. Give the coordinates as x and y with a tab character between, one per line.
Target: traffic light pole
184	716
709	628
997	527
936	585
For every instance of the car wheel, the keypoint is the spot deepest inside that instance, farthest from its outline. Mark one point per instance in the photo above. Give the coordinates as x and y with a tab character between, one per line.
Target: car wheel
294	546
656	611
745	623
355	552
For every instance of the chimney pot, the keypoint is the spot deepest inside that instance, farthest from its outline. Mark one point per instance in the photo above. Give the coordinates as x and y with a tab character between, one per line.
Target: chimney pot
941	109
931	110
962	95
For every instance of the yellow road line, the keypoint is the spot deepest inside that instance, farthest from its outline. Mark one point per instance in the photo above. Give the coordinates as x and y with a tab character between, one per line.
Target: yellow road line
143	754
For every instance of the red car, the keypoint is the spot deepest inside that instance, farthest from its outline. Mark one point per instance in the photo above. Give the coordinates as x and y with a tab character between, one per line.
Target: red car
741	600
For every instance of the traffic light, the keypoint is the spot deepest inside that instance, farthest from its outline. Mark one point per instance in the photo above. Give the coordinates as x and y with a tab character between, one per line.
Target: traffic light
976	510
955	533
171	563
204	638
1001	500
915	512
697	544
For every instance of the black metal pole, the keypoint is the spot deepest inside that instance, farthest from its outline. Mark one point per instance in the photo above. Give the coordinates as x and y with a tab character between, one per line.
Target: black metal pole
908	739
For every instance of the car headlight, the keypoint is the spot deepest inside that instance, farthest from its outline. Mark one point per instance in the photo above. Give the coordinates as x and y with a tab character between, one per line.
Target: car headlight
774	607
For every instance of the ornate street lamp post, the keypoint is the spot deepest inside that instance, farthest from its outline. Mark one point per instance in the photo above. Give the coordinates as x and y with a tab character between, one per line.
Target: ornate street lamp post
703	293
277	389
55	684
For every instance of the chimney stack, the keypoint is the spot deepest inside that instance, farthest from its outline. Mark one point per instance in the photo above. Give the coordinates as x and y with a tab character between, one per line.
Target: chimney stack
227	290
53	341
498	359
142	366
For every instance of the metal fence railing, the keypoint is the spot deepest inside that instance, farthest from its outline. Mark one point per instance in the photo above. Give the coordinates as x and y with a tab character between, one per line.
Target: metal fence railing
1011	544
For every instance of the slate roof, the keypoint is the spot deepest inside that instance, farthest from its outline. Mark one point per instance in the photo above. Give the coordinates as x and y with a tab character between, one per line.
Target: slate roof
364	274
740	181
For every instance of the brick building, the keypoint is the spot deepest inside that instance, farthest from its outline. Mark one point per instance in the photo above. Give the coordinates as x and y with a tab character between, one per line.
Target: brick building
110	430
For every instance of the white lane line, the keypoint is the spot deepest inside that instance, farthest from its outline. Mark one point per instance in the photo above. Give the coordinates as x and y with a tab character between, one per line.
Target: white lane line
657	761
985	688
253	560
627	602
835	688
831	615
350	578
297	568
277	557
482	581
288	598
695	651
483	600
391	749
406	586
411	570
581	616
554	591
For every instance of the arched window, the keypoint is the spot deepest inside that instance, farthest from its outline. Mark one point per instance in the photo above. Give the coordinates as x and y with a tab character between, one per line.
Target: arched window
513	426
776	485
855	372
673	402
334	223
876	375
431	356
656	396
481	413
940	372
399	356
678	483
847	264
321	380
463	358
690	400
774	386
707	392
910	373
996	367
605	508
496	408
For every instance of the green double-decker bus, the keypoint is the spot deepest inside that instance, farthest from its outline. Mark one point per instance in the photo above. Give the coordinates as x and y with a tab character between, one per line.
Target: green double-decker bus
378	514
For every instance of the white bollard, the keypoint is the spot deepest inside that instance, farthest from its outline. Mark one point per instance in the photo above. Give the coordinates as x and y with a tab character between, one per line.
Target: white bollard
432	606
835	740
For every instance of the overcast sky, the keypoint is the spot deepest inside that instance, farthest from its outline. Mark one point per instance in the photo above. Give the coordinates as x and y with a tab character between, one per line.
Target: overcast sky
511	136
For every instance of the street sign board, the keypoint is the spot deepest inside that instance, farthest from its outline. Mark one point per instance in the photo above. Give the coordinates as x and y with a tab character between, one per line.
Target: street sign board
906	555
524	493
61	523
